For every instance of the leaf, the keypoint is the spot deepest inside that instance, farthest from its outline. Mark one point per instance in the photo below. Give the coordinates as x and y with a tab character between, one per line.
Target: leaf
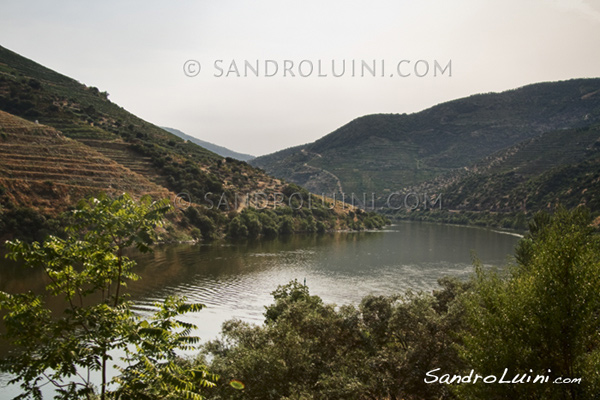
236	384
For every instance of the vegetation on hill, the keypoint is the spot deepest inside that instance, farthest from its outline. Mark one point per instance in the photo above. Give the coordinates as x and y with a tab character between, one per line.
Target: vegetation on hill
506	188
84	144
559	166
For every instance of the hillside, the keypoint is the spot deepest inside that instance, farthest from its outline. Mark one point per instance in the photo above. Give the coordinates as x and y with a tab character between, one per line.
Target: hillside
560	166
503	189
385	153
40	168
70	140
220	150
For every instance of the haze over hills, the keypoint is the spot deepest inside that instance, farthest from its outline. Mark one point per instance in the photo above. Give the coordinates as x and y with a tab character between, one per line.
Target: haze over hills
389	152
220	150
61	140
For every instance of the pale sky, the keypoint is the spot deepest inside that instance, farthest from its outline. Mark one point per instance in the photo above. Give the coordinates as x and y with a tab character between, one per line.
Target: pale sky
136	50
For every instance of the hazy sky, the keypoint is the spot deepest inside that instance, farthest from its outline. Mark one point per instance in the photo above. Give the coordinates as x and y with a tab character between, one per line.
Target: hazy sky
136	51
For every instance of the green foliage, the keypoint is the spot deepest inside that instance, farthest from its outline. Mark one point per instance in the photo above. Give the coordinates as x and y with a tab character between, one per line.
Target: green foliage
321	228
153	369
308	349
511	220
375	221
252	223
237	228
268	220
207	224
27	224
86	271
556	167
544	317
286	225
186	176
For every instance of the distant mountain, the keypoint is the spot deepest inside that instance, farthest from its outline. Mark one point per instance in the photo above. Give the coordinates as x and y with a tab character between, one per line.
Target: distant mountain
384	153
220	150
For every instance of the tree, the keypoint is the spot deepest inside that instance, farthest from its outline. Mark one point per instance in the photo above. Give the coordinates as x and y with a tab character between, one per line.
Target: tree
543	319
301	351
252	222
286	226
88	271
237	228
310	350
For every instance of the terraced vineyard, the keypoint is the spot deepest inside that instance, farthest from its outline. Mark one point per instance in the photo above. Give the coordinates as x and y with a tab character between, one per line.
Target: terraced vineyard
41	168
121	153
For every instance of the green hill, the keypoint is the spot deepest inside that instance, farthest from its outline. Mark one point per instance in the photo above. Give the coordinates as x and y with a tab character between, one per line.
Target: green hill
560	166
385	153
75	130
505	188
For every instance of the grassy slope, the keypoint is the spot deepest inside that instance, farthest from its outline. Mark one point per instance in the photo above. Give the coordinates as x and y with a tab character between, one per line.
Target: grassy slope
41	168
559	166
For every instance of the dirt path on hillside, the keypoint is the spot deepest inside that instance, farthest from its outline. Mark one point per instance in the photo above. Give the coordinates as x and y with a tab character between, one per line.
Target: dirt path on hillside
337	180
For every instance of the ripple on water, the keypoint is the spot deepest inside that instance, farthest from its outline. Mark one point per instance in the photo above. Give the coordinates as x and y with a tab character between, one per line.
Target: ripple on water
236	281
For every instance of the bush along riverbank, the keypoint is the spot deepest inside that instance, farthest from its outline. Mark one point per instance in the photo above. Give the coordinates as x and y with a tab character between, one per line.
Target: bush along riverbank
294	214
